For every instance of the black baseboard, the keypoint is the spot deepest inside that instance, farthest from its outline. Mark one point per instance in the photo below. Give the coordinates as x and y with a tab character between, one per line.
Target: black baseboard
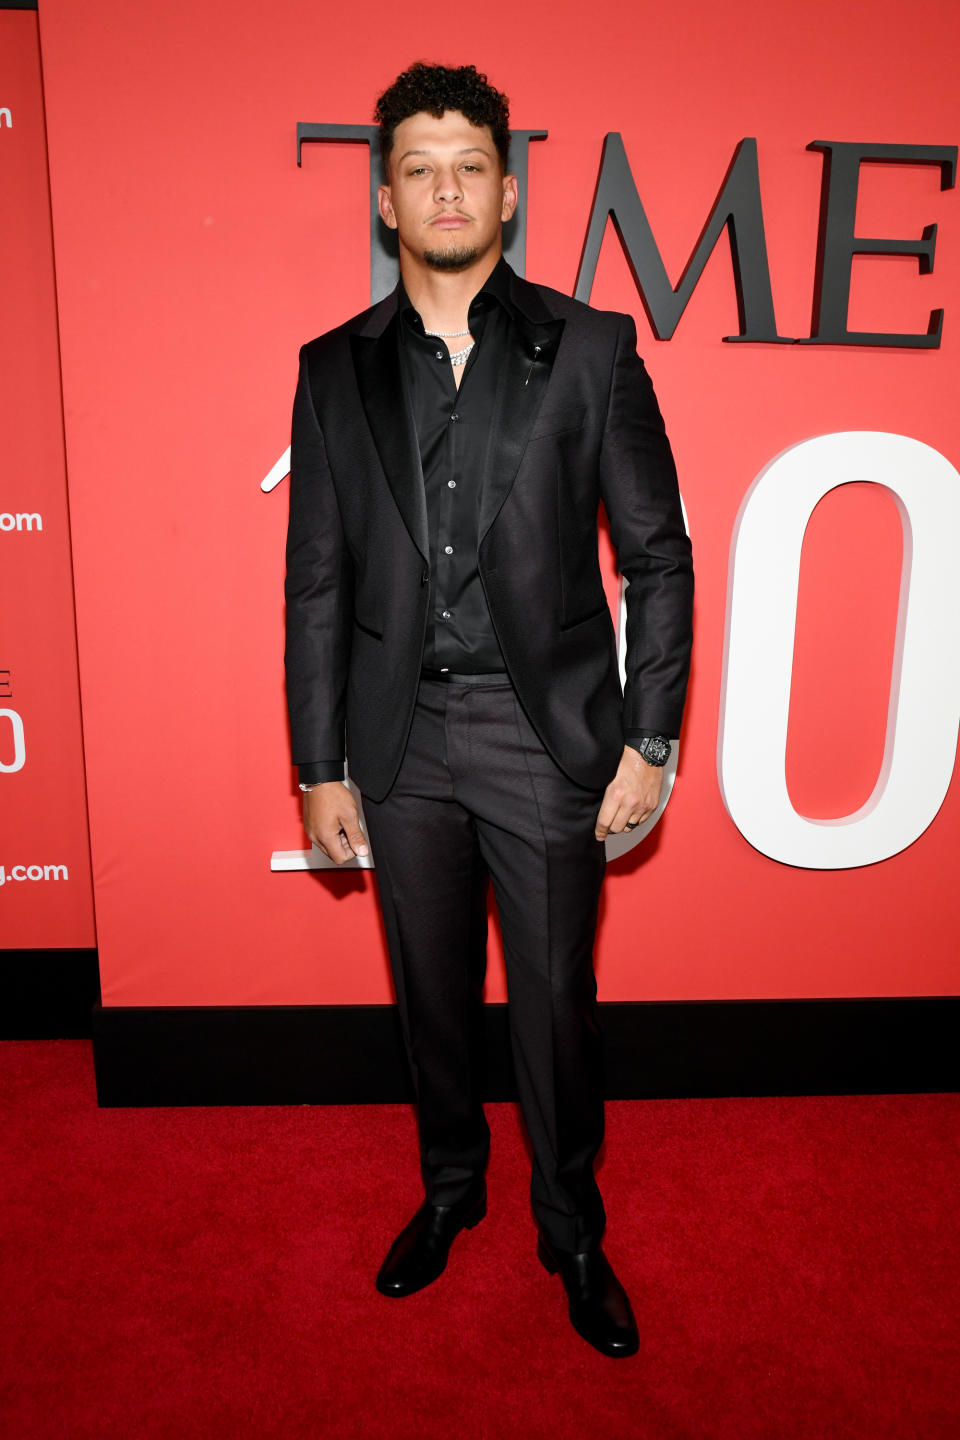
48	994
349	1054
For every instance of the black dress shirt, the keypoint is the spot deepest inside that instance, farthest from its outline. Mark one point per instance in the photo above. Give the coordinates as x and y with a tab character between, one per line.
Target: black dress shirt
452	428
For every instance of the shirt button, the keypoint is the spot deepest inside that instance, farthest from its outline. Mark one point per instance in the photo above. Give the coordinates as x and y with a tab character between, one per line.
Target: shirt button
451	484
448	549
445	615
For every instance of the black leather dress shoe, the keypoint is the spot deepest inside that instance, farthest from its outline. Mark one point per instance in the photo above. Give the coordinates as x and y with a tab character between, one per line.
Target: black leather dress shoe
419	1253
599	1308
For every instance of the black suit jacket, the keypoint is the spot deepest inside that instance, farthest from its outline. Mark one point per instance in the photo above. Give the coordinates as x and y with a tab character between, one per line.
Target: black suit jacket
575	422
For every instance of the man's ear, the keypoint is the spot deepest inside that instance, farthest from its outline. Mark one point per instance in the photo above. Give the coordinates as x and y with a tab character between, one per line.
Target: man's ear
511	195
385	206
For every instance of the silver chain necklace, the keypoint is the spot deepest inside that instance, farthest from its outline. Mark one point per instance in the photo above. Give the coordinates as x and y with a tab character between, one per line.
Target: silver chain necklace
457	357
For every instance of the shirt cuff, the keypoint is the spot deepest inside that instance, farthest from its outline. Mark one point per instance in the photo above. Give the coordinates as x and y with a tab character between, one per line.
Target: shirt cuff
317	772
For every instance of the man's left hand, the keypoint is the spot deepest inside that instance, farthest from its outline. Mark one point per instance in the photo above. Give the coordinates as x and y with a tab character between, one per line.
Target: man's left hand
632	795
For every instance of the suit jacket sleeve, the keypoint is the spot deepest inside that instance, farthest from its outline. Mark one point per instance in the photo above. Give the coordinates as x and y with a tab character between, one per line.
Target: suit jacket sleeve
638	483
319	594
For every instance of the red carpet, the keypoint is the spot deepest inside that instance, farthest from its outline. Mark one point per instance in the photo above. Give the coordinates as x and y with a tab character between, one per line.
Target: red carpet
794	1266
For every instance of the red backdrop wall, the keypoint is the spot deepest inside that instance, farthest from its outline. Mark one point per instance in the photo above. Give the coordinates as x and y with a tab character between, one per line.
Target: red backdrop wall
45	890
193	258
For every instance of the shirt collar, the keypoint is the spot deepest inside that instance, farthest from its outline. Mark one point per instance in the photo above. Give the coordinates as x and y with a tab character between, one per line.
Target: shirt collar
495	289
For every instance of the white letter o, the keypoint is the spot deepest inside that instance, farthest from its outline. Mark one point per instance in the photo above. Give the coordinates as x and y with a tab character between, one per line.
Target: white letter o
921	739
19	749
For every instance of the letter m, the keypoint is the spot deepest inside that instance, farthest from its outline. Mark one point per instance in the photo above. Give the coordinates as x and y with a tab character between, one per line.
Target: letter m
26	521
738	208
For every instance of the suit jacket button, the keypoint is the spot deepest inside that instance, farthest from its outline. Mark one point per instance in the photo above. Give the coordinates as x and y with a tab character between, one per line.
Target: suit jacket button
424	577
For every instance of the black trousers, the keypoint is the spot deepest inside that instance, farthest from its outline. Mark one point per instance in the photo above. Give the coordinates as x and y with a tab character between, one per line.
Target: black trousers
478	798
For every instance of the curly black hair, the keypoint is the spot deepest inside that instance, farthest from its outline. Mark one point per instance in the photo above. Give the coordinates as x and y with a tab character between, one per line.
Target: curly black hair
436	89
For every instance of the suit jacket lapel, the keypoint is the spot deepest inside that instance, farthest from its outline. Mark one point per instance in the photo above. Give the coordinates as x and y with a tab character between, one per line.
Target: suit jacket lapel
376	359
522	385
520	391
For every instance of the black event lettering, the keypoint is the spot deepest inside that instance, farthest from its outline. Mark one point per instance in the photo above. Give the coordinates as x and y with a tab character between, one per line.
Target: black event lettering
837	244
6	688
738	209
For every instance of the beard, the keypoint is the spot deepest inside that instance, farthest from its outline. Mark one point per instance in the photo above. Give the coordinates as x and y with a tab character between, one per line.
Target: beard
457	257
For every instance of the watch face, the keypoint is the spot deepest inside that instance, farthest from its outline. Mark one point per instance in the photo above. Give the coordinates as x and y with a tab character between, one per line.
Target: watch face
656	750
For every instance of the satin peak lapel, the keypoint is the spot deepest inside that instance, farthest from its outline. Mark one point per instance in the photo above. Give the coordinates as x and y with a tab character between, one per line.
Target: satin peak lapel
376	360
522	385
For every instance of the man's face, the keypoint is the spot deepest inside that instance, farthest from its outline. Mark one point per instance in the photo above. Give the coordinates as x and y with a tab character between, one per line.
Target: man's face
446	196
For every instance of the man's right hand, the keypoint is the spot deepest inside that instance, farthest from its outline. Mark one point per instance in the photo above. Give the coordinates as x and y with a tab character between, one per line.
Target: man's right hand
331	821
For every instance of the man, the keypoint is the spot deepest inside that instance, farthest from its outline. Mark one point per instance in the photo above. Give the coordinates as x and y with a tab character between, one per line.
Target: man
446	618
